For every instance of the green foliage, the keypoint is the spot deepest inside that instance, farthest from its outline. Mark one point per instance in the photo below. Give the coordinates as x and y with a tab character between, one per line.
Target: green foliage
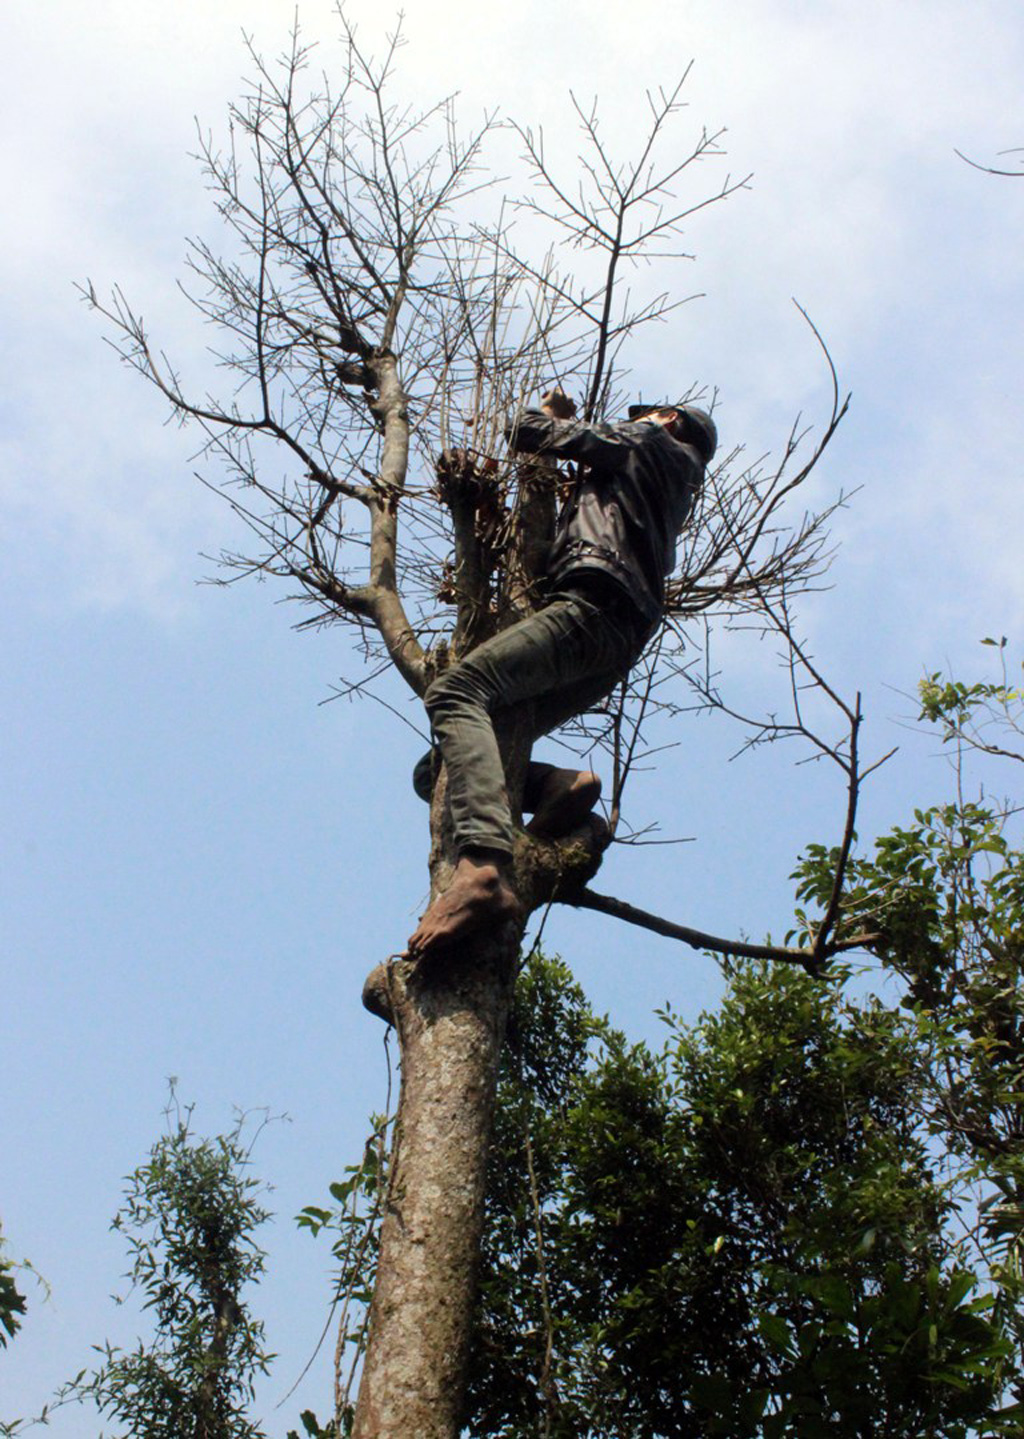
12	1301
13	1306
898	1339
739	1235
189	1217
353	1221
987	715
943	902
311	1429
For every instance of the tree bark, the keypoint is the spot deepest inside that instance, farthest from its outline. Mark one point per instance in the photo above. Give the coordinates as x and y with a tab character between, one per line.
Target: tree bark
451	1020
450	1014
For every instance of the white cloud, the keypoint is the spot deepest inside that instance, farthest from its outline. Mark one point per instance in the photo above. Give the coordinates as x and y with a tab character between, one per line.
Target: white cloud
847	116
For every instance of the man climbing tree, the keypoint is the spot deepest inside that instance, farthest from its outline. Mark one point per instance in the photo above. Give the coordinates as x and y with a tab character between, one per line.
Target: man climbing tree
614	547
374	316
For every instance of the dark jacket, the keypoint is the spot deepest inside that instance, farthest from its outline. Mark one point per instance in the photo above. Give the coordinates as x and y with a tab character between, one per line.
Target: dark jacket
625	512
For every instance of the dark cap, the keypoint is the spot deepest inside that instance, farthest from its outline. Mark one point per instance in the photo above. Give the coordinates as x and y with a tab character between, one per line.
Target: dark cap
699	429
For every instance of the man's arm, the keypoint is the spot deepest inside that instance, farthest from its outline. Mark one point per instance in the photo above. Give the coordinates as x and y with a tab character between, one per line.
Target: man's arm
552	429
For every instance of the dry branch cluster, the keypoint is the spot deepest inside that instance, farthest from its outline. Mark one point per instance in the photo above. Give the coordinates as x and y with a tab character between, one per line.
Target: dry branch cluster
380	310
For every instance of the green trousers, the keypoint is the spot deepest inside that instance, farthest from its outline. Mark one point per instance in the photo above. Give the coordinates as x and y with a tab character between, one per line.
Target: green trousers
553	665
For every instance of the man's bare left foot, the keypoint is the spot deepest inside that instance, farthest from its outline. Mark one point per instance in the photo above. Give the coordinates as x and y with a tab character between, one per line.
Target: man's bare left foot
478	895
566	798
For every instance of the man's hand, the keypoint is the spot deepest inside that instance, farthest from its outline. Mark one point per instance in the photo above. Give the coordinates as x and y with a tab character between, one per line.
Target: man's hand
557	405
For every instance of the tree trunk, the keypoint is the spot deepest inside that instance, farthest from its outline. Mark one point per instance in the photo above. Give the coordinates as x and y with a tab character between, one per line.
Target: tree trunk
450	1013
451	1019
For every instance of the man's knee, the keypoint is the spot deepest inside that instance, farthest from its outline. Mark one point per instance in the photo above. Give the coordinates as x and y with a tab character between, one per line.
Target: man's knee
436	693
455	689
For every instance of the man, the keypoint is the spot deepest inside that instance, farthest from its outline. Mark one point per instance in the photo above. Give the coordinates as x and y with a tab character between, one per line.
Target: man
614	547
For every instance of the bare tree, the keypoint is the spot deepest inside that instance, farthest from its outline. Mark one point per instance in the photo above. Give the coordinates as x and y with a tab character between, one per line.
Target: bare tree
381	308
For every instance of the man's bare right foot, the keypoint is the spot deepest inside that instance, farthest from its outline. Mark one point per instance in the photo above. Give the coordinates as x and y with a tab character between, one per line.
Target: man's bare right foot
479	894
566	798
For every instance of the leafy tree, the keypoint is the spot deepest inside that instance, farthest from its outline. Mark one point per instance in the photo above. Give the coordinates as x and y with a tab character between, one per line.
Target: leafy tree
189	1217
940	902
743	1233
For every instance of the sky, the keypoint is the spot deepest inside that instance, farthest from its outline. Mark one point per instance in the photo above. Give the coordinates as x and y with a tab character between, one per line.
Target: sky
201	857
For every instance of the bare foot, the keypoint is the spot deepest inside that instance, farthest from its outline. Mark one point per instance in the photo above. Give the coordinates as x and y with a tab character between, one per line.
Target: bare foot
566	798
477	895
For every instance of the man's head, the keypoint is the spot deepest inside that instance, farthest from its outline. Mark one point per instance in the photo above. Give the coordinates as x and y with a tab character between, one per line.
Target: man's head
686	423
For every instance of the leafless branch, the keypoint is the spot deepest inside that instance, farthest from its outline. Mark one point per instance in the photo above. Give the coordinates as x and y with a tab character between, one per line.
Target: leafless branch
991	169
373	326
812	960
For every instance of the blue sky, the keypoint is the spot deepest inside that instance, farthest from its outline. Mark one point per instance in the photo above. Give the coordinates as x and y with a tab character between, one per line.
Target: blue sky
201	859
